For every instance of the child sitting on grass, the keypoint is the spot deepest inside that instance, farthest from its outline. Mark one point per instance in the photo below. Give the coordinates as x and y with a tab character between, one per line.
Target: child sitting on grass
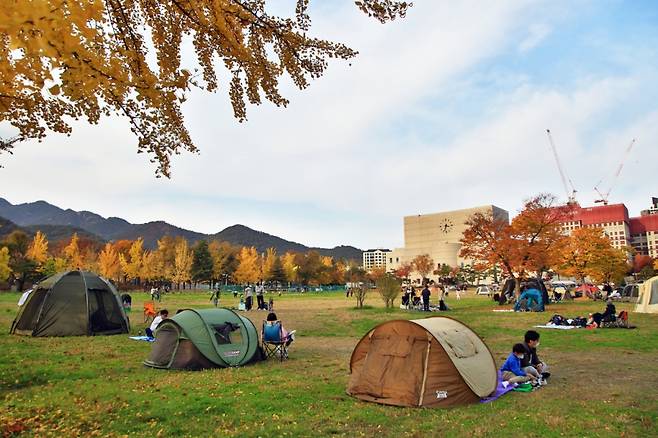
511	369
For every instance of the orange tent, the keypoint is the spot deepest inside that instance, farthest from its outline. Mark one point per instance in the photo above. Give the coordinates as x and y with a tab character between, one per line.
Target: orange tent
432	362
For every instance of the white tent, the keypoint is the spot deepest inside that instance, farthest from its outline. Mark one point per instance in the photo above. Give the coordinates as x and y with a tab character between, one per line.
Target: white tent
647	302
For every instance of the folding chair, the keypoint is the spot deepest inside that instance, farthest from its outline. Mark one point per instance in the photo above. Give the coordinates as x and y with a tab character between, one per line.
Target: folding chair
272	340
149	311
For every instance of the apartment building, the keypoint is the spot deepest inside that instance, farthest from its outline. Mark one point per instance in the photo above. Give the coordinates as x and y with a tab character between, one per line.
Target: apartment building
375	258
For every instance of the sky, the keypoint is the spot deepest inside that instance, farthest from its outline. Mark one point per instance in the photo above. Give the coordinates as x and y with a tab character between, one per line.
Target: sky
445	109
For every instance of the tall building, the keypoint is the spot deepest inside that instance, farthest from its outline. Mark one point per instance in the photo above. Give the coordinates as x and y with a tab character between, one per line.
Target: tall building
438	235
375	258
639	232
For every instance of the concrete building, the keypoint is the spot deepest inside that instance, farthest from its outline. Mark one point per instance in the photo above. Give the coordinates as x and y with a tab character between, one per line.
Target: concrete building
651	210
639	232
375	258
437	234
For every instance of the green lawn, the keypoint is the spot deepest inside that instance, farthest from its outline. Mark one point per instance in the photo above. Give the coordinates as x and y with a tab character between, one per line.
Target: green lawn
604	384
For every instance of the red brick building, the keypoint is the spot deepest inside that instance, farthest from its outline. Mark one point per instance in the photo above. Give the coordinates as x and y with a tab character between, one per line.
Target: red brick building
639	232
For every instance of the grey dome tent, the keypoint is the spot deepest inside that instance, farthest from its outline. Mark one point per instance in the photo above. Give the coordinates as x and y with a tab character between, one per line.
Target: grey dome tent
71	303
431	362
204	338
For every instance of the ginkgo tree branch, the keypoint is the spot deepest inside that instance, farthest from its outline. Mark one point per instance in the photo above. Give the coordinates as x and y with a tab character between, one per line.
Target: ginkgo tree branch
99	52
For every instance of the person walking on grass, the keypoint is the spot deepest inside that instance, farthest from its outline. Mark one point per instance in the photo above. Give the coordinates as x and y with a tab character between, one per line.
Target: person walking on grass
214	296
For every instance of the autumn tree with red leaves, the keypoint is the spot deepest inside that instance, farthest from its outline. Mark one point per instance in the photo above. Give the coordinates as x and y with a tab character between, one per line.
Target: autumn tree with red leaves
531	244
404	271
423	264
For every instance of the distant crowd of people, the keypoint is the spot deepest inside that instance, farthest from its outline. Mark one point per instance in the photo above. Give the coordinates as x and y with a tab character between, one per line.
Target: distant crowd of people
412	298
247	298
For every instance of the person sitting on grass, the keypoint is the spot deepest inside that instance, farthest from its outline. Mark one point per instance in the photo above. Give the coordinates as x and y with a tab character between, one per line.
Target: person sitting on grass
150	331
511	370
287	337
610	313
530	362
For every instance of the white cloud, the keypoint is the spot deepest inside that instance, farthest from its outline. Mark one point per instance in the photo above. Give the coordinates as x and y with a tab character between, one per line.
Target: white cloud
536	34
324	172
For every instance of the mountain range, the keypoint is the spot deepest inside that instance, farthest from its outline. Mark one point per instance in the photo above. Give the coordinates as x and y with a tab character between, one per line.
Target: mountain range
58	223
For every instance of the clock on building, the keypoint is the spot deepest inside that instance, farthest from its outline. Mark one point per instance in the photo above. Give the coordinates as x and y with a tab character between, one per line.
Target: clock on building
446	226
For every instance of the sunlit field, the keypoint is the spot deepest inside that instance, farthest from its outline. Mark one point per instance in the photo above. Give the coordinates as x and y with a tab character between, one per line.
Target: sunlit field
604	381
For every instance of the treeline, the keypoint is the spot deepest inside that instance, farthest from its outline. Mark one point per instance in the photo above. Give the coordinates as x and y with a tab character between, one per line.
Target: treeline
535	244
175	262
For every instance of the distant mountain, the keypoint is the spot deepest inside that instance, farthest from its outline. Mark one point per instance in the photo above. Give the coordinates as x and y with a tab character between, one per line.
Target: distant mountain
7	227
53	233
41	214
245	236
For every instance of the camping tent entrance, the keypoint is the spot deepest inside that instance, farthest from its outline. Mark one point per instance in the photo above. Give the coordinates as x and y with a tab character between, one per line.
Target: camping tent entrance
104	312
406	363
26	320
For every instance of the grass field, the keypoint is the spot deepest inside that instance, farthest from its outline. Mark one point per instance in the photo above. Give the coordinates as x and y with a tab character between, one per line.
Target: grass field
604	381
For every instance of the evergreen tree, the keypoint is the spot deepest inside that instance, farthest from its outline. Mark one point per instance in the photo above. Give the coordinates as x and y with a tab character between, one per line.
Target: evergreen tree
202	262
277	273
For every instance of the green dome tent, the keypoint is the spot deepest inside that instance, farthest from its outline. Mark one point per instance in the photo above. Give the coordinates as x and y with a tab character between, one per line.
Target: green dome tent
68	304
204	338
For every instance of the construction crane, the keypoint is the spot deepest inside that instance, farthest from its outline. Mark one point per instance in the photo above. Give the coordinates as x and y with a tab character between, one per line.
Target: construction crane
571	196
604	197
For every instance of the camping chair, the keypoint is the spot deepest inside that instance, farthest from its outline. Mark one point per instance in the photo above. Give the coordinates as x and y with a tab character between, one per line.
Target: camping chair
272	340
149	311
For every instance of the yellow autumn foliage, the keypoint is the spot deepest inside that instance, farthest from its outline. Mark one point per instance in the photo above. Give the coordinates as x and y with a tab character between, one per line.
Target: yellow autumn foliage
62	60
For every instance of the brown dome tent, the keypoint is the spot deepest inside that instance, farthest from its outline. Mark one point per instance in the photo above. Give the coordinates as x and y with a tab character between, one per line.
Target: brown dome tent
432	362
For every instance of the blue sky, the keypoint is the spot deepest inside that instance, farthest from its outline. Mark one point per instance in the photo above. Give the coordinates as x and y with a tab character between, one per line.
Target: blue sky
445	109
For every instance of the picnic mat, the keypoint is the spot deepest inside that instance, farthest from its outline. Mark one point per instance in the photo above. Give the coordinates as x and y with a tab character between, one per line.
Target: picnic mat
558	327
142	338
503	310
502	389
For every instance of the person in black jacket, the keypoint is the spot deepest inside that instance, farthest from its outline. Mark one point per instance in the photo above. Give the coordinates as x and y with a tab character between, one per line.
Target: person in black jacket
531	363
608	315
610	312
426	298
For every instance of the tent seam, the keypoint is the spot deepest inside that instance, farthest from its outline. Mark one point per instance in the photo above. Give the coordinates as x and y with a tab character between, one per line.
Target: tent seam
427	359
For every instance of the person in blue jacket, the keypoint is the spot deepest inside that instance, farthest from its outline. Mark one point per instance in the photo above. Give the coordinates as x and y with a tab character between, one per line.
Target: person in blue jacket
511	370
533	299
